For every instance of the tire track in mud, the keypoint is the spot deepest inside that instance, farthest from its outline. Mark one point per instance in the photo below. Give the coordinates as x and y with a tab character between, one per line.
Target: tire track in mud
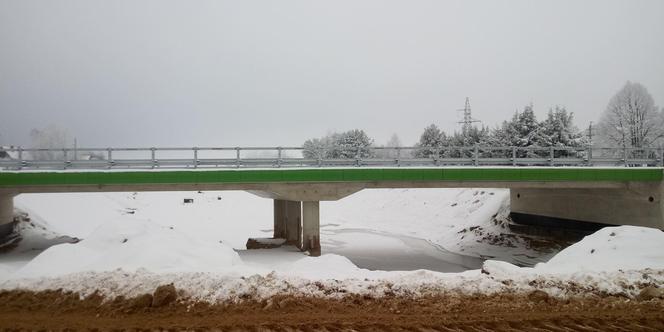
57	310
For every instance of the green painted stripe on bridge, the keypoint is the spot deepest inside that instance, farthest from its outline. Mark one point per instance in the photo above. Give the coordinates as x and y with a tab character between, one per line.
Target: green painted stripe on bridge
17	179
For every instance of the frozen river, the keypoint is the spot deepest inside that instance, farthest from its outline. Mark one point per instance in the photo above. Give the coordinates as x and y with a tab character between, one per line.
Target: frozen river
373	250
392	252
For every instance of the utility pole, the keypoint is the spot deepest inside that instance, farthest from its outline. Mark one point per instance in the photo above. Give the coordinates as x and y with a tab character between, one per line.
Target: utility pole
590	134
467	118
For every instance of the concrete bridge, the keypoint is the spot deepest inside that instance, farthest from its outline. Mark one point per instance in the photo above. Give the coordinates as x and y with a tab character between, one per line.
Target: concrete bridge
605	195
553	185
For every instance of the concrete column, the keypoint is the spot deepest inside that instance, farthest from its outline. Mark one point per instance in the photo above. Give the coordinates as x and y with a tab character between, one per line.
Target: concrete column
293	221
6	215
287	219
638	204
279	219
311	227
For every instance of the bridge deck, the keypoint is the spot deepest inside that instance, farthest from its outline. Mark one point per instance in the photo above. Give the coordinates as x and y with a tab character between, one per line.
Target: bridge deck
480	174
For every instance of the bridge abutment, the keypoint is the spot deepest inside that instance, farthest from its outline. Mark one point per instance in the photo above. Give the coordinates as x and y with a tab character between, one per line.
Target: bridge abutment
638	203
6	215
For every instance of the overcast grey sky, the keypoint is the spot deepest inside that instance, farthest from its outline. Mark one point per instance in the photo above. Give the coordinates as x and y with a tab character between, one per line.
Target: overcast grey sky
273	73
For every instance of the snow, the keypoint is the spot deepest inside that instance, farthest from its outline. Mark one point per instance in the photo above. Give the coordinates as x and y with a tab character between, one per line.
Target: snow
610	249
327	266
447	218
217	287
271	241
229	216
133	242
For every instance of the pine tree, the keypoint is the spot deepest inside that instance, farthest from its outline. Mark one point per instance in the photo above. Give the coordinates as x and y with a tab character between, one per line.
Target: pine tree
352	144
430	140
346	145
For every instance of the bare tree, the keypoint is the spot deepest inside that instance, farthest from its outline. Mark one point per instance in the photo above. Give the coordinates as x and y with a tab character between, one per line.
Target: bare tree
390	150
631	119
50	137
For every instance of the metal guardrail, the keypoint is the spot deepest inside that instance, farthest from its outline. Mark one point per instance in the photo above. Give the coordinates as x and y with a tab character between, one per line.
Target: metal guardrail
18	158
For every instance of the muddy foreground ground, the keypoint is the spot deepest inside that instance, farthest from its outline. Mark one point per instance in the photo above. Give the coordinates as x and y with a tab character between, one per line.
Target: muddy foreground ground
56	310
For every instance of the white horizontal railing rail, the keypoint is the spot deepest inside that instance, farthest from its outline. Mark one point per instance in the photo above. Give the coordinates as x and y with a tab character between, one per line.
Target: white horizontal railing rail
18	158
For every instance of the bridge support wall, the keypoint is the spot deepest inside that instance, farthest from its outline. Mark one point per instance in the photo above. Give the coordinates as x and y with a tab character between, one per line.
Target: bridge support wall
6	215
638	203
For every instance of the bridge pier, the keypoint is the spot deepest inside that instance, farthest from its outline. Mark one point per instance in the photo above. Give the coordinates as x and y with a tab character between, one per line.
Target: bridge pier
638	203
298	223
6	215
311	227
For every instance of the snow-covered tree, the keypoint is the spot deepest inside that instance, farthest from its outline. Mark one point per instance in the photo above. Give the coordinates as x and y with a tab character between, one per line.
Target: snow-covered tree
431	139
351	144
347	145
50	137
631	118
522	130
528	130
317	148
558	130
471	137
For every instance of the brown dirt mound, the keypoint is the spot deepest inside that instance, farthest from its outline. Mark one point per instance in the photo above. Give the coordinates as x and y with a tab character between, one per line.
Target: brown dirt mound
59	310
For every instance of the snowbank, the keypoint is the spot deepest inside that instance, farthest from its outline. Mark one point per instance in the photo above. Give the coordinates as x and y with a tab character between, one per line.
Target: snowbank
216	287
610	249
327	266
132	244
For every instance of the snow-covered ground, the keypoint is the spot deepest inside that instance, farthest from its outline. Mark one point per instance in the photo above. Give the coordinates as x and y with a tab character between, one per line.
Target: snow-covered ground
375	241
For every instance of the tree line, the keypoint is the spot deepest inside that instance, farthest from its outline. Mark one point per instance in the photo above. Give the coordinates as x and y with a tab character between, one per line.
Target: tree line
631	120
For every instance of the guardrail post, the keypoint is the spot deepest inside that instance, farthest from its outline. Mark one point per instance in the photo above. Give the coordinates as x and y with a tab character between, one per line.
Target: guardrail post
153	157
279	156
514	156
398	156
551	155
476	155
195	157
110	157
20	158
237	157
64	158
